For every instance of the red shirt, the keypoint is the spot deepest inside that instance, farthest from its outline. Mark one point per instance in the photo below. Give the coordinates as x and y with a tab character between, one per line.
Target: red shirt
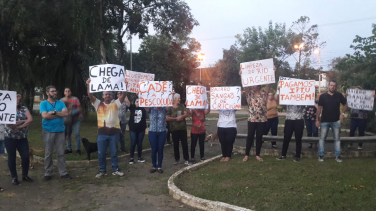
198	121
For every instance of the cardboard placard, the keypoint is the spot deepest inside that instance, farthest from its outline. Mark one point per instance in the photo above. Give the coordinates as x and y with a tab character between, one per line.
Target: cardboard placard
360	99
297	92
225	98
107	77
8	107
134	78
257	72
155	93
196	97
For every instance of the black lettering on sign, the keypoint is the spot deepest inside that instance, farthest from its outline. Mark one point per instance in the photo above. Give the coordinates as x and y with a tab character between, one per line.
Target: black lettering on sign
3	106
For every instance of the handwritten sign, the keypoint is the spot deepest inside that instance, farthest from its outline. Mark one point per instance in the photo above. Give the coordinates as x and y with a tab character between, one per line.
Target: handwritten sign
196	97
107	77
257	72
155	93
225	98
136	77
8	107
360	99
297	92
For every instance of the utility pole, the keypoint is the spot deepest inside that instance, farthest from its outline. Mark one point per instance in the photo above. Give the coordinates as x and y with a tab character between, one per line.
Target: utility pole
130	37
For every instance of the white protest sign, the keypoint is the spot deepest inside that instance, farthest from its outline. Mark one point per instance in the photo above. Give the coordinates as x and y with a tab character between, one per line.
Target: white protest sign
136	77
107	77
8	107
196	97
257	72
225	98
297	92
360	99
155	93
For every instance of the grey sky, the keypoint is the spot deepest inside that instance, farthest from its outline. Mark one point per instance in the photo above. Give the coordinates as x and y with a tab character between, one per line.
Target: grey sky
221	20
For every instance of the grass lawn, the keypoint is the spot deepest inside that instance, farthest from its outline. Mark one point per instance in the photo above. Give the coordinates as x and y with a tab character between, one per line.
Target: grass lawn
285	185
88	130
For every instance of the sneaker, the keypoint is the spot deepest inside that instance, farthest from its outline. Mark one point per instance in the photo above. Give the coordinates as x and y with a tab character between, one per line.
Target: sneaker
281	158
321	158
141	160
339	159
100	174
359	147
131	161
187	163
296	159
15	181
274	145
160	171
118	173
47	178
193	161
66	176
78	152
176	162
203	159
27	179
67	151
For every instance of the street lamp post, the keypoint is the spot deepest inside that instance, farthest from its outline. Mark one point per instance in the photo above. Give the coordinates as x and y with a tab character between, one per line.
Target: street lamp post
299	47
317	51
200	58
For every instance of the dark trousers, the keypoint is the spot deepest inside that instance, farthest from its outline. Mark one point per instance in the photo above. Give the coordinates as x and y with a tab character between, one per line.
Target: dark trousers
180	135
136	139
271	124
227	137
258	128
22	145
201	138
297	127
168	132
360	124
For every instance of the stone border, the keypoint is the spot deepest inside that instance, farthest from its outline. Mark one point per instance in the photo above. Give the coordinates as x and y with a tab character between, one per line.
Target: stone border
194	201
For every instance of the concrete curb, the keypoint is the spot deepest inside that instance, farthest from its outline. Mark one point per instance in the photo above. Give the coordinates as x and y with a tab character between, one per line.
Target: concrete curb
194	201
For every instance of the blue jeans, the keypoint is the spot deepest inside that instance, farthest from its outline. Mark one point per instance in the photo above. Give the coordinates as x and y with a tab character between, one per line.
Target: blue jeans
157	141
312	130
360	124
336	128
121	135
136	138
77	137
104	141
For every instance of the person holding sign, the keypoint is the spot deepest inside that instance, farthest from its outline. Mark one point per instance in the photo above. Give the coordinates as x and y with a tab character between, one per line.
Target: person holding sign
257	107
329	105
358	120
294	124
176	116
108	128
137	126
198	131
226	132
16	140
53	111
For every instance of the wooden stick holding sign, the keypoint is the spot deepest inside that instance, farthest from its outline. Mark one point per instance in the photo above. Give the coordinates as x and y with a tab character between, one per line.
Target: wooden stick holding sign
107	77
225	98
196	97
8	107
297	92
136	77
155	93
257	72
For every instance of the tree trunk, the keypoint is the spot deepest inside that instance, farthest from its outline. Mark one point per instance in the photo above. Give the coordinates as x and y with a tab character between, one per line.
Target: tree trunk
101	44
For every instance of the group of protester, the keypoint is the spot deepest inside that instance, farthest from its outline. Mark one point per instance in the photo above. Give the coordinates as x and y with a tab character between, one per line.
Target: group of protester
62	117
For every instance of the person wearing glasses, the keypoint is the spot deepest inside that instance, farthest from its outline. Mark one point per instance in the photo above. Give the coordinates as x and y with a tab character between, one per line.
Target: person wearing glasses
123	120
53	111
